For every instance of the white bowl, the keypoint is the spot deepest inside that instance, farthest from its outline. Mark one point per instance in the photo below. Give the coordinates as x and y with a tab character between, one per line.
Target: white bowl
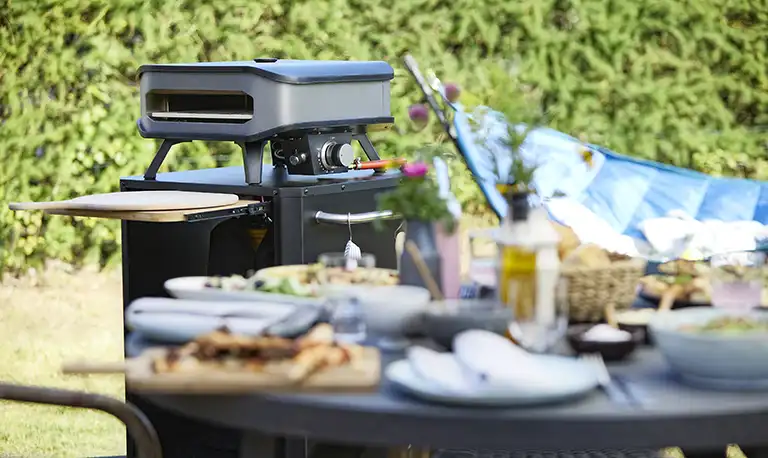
710	355
392	310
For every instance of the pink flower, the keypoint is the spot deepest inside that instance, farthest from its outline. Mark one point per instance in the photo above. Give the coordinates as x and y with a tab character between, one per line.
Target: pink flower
419	114
414	170
452	92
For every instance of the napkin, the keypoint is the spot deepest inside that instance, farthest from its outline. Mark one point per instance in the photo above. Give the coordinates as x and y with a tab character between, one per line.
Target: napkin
178	319
495	363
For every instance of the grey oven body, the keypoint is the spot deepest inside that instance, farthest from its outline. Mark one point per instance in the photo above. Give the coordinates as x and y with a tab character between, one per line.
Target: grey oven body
308	112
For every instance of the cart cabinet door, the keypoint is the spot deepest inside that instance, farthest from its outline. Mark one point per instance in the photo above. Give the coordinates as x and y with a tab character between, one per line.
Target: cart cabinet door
312	225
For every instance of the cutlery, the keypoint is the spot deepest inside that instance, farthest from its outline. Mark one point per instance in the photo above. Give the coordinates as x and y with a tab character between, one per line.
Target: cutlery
614	392
295	323
637	394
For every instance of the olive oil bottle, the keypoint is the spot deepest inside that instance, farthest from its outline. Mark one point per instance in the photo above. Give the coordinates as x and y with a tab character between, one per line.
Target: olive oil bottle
517	259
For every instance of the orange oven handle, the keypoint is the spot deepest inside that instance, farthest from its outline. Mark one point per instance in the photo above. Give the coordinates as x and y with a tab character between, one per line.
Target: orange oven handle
380	164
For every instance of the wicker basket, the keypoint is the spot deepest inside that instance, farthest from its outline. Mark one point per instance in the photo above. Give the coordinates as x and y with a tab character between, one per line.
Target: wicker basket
590	289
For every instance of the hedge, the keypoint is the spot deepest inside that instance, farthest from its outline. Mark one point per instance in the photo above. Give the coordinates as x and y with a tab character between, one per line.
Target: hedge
680	82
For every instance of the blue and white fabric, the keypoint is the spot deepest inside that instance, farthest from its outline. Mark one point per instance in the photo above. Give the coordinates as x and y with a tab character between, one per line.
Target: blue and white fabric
628	205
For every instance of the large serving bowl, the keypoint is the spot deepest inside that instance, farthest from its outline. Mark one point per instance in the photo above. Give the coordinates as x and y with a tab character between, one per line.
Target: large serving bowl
391	311
711	355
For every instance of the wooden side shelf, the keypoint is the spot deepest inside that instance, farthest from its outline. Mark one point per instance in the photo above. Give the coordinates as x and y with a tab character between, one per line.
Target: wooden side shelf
243	207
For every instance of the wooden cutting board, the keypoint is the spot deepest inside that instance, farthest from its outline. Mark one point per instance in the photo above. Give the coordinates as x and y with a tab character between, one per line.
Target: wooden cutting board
154	216
134	201
364	376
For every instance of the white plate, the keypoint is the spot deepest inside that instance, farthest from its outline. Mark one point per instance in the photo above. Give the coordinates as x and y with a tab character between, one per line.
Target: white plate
193	288
576	380
178	321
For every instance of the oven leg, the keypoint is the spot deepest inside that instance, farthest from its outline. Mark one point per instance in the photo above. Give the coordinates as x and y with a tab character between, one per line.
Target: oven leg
367	146
253	158
157	161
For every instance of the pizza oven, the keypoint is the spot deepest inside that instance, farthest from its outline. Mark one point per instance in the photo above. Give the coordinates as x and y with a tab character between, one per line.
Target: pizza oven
298	201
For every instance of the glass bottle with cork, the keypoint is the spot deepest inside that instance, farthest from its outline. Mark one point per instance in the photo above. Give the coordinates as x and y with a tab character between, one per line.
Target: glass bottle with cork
517	258
528	271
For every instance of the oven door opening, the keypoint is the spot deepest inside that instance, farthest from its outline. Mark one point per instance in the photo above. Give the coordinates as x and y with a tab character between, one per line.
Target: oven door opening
218	107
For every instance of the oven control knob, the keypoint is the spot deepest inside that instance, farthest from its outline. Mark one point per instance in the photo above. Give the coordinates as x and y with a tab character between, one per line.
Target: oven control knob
297	159
337	155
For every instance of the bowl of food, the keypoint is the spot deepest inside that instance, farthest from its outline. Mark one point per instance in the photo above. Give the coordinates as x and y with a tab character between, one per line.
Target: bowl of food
390	312
443	320
635	321
331	280
713	344
611	343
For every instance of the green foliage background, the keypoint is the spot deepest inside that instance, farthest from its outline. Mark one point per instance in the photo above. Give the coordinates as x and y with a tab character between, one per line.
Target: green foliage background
684	82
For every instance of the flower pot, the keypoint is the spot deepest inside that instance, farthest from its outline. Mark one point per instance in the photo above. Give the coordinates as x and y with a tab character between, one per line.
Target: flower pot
423	235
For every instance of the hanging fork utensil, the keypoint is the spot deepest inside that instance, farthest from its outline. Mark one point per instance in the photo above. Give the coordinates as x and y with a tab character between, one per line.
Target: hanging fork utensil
352	253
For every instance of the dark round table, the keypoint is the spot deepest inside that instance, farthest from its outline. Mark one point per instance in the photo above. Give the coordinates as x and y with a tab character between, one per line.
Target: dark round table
670	414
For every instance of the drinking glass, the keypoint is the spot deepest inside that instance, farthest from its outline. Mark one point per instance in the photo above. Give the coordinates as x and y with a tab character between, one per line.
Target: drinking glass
347	319
737	280
539	325
342	305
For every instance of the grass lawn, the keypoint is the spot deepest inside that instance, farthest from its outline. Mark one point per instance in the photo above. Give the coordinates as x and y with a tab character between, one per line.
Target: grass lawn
45	321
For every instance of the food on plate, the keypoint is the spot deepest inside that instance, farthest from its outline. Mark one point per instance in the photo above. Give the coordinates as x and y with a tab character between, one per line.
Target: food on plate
677	287
728	325
692	281
361	275
303	280
286	285
313	275
296	359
